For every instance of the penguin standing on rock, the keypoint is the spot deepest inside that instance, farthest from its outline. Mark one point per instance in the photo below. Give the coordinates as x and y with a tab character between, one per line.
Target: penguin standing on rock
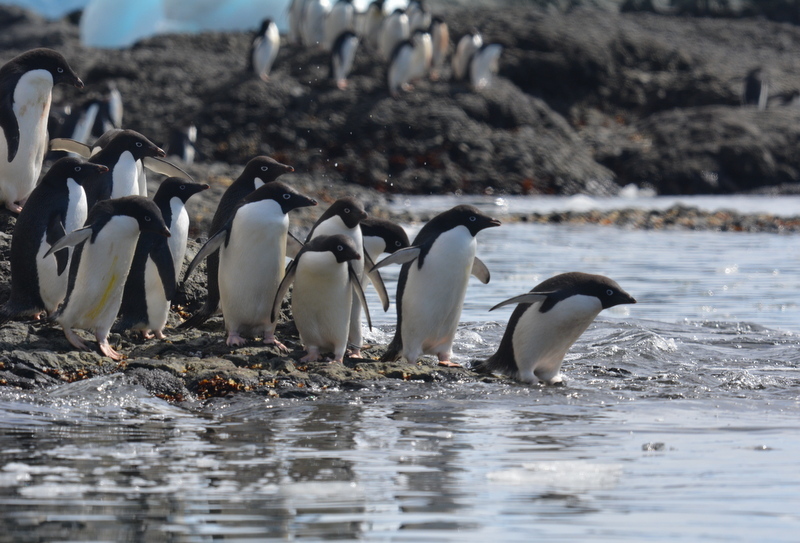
433	283
756	89
325	283
394	30
264	49
342	57
440	38
313	27
258	172
56	207
371	24
104	250
468	45
26	91
547	321
252	258
157	263
340	19
411	61
484	65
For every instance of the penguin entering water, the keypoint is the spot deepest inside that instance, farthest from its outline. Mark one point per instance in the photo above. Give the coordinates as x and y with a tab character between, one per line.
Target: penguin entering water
433	283
325	284
252	255
342	56
104	249
258	172
56	207
157	263
26	85
264	49
547	321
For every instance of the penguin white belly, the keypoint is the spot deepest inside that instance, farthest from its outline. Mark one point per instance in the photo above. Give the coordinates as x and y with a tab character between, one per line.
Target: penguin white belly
180	234
96	297
434	295
252	266
157	303
264	54
125	177
321	302
32	97
541	340
52	287
77	209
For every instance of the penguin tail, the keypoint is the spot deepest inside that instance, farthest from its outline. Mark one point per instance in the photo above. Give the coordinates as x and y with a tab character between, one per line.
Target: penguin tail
393	350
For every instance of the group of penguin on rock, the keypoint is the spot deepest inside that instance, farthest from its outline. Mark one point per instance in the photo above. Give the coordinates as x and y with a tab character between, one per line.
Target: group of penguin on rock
412	42
89	250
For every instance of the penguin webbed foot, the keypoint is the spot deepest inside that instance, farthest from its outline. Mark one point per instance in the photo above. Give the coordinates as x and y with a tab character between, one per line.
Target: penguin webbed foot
13	207
269	339
312	356
444	360
107	350
75	340
354	352
235	340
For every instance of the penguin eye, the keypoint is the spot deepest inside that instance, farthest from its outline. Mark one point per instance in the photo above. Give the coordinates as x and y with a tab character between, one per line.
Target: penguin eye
397	244
60	70
609	292
147	219
264	168
286	196
347	210
77	168
339	248
138	144
473	218
183	187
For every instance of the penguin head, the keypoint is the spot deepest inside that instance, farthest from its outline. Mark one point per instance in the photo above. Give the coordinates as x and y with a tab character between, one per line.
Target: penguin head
72	168
610	293
565	285
392	234
145	212
468	216
52	61
286	196
264	26
265	168
342	247
135	143
177	187
350	210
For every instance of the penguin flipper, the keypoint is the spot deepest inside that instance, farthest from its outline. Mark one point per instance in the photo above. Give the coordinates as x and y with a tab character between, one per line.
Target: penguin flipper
55	231
162	258
527	298
480	270
159	165
212	245
377	281
71	146
398	257
70	240
10	125
356	284
283	288
293	245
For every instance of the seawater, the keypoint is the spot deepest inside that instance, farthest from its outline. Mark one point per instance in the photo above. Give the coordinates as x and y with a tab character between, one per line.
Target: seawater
678	421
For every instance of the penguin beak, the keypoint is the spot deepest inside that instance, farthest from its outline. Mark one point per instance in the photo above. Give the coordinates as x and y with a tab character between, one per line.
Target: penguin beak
493	222
78	83
205	187
101	168
159	152
165	232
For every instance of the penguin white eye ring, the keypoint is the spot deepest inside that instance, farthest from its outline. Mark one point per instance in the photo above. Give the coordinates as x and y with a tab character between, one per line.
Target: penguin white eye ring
473	218
287	196
147	219
398	243
264	168
339	248
77	168
60	70
610	292
346	210
138	144
183	187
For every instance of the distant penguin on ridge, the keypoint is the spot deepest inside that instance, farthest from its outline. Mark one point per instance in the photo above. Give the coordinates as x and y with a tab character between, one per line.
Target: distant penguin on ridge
756	89
26	91
56	207
484	65
394	30
104	249
547	321
341	18
342	57
181	143
371	24
157	263
264	49
433	282
440	38
313	26
468	45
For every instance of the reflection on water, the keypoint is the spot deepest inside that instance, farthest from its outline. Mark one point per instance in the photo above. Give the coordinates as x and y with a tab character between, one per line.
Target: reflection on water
679	420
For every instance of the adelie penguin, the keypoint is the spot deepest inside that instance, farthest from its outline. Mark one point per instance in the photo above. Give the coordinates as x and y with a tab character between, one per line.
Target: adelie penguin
484	64
410	61
264	49
252	258
26	85
547	321
433	283
258	172
394	29
104	250
468	45
157	262
382	236
340	19
344	217
56	207
343	55
325	284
